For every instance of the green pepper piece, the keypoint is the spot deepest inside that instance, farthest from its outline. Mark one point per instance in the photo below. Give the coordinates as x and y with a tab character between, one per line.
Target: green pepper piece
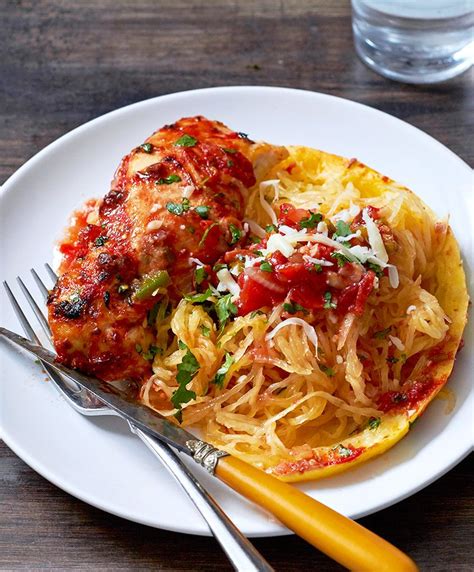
151	283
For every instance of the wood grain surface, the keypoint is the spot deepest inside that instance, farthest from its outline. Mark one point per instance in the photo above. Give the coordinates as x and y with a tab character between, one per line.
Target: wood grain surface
64	63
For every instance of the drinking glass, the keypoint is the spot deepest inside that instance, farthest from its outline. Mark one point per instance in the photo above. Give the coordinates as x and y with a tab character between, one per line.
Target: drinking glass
415	41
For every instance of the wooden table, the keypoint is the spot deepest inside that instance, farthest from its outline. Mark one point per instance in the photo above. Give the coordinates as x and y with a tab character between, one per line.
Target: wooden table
64	63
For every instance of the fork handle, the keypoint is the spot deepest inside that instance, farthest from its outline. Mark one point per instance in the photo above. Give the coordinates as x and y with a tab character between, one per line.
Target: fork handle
240	551
339	537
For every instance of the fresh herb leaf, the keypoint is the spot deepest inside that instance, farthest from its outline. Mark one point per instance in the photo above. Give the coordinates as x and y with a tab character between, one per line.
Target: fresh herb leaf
138	348
327	370
293	307
317	268
200	275
206	232
101	240
168	180
382	334
186	141
255	239
235	233
203	211
328	301
230	163
151	352
106	299
198	298
312	220
271	228
373	423
341	258
147	147
178	208
375	268
222	371
266	266
187	369
206	331
225	308
342	228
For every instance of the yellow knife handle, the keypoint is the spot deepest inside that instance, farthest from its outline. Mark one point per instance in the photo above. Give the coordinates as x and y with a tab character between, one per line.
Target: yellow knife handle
339	537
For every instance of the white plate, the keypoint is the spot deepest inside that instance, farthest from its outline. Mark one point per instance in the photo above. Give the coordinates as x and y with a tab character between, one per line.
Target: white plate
98	460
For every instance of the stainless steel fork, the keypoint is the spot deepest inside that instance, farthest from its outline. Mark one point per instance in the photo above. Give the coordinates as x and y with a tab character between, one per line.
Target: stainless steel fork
240	551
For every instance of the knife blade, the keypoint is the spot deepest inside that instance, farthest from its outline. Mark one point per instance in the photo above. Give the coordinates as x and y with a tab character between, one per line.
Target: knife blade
141	416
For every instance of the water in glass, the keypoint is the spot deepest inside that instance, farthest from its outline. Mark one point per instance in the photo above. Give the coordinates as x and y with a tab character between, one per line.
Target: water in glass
415	41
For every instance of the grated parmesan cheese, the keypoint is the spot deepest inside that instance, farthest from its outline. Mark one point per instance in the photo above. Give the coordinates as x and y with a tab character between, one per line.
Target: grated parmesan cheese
227	282
309	330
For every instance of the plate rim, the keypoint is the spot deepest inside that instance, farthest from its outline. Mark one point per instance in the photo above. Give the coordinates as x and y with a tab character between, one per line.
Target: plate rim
38	466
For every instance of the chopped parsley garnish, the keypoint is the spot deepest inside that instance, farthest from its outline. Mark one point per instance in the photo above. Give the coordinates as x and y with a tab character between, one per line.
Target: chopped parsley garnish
255	239
328	301
101	240
151	352
235	233
271	228
231	151
266	266
203	211
343	451
225	308
198	298
312	220
138	348
200	275
147	147
382	334
187	369
293	307
186	141
317	268
230	163
342	228
327	370
178	208
373	423
223	370
375	268
206	331
106	299
168	180
341	258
